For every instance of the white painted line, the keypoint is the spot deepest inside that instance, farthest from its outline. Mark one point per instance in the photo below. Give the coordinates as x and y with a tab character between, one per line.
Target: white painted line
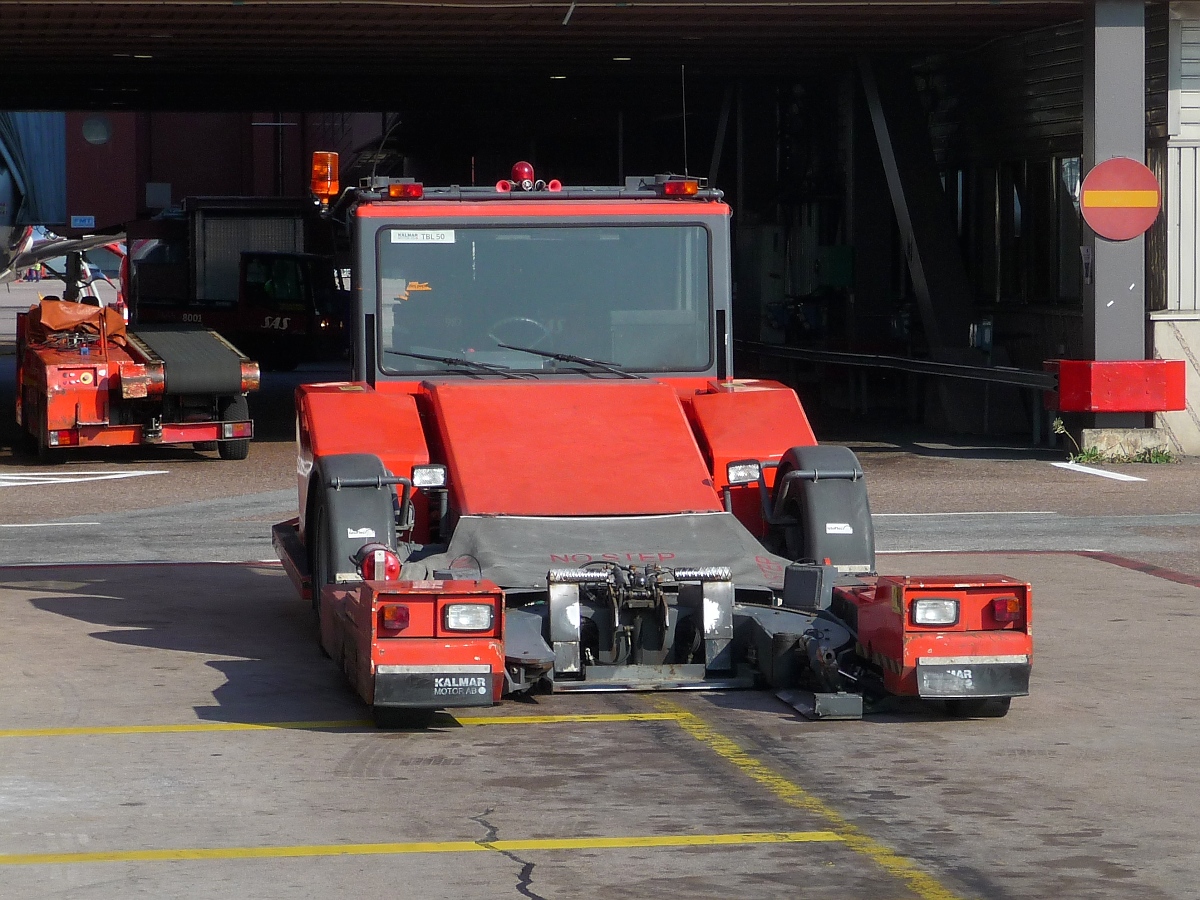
35	479
991	552
1088	470
50	525
1027	512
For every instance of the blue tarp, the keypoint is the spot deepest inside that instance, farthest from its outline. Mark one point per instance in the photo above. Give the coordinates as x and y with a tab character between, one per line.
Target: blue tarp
33	146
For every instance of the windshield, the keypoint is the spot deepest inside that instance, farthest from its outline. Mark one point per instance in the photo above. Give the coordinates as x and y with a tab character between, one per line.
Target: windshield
636	296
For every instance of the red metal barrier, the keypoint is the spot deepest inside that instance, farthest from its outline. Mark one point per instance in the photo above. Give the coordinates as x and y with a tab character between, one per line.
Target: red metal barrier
1112	386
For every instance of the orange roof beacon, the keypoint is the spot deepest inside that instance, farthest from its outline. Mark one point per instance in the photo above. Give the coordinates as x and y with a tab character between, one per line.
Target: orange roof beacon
543	473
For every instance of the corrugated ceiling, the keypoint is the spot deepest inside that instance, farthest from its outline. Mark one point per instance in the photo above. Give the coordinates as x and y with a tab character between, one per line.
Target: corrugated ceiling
296	53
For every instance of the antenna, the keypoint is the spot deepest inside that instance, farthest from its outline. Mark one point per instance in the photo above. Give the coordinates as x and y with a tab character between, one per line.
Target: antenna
387	134
683	93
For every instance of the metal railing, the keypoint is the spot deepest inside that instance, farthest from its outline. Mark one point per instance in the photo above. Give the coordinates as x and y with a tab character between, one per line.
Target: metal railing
1032	380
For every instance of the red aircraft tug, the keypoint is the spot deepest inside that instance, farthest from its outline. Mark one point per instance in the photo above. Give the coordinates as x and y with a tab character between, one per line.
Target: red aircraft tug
544	474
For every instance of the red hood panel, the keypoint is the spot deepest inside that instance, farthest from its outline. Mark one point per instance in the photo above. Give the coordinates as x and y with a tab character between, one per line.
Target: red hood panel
579	448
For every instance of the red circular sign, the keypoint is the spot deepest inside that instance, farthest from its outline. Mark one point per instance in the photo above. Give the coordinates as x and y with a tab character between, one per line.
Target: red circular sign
1120	199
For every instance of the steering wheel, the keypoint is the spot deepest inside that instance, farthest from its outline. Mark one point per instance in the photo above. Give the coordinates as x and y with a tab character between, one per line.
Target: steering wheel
514	320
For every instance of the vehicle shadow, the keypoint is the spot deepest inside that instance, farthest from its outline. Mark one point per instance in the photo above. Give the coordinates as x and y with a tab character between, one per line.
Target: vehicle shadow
243	620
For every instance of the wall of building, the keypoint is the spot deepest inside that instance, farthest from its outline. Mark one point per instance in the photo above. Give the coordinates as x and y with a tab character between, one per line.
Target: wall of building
1174	331
1007	126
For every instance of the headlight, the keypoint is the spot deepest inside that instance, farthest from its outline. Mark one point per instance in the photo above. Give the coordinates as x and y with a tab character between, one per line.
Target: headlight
745	471
934	611
433	476
468	617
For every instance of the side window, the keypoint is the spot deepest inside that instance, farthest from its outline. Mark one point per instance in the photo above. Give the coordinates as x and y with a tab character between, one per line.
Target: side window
254	287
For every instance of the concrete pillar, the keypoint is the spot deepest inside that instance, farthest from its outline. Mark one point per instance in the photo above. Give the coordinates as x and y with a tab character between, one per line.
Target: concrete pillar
1114	124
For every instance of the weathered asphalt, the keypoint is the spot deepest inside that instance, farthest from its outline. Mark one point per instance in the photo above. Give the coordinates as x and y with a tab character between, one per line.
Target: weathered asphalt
1086	789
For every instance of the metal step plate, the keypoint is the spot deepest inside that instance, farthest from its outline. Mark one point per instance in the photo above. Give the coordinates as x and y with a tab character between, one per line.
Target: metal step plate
656	678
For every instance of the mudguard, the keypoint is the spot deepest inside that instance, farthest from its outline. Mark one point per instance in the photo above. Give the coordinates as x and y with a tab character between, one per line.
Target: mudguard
350	516
824	488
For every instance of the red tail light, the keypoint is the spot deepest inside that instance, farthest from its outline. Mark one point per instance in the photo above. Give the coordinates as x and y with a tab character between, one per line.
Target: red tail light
406	190
1007	609
67	438
680	188
393	617
377	563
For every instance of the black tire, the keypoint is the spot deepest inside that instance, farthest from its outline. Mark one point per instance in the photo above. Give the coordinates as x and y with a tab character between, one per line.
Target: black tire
792	535
320	571
388	717
47	455
234	409
285	360
318	552
979	708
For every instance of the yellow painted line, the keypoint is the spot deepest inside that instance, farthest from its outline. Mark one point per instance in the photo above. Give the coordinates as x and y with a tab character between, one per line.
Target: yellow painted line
1120	199
922	884
530	845
203	727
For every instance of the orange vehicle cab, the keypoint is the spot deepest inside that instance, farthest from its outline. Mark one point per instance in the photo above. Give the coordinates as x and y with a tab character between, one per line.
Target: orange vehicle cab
544	472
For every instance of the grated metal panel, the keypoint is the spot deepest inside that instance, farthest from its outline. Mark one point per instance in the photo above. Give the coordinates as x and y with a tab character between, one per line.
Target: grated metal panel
225	239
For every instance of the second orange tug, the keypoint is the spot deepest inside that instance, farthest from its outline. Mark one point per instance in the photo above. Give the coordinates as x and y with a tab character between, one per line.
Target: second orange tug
84	380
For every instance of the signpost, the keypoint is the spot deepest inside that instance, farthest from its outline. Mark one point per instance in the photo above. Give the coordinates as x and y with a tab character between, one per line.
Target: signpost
1120	198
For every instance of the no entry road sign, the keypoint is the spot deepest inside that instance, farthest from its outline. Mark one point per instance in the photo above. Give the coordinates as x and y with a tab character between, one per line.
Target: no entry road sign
1120	199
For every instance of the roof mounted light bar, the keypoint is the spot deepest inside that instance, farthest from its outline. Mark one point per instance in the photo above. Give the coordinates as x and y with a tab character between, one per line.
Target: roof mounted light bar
523	186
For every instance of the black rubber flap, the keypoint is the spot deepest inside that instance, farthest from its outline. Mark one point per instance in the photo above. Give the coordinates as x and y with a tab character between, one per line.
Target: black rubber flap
518	551
195	360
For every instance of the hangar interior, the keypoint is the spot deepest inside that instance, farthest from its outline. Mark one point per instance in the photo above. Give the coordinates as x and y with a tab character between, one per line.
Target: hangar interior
898	172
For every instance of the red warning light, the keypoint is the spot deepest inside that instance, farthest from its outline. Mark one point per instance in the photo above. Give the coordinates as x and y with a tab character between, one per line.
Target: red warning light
680	188
406	190
522	174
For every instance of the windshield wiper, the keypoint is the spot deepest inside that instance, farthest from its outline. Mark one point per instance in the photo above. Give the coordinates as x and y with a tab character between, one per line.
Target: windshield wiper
570	357
492	368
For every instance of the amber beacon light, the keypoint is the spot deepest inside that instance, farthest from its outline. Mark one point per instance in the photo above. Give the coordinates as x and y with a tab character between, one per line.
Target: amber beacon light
325	175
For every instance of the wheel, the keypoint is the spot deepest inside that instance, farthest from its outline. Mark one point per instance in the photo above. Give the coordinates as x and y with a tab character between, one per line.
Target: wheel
234	409
793	535
401	717
282	359
787	540
519	320
46	454
320	571
979	708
